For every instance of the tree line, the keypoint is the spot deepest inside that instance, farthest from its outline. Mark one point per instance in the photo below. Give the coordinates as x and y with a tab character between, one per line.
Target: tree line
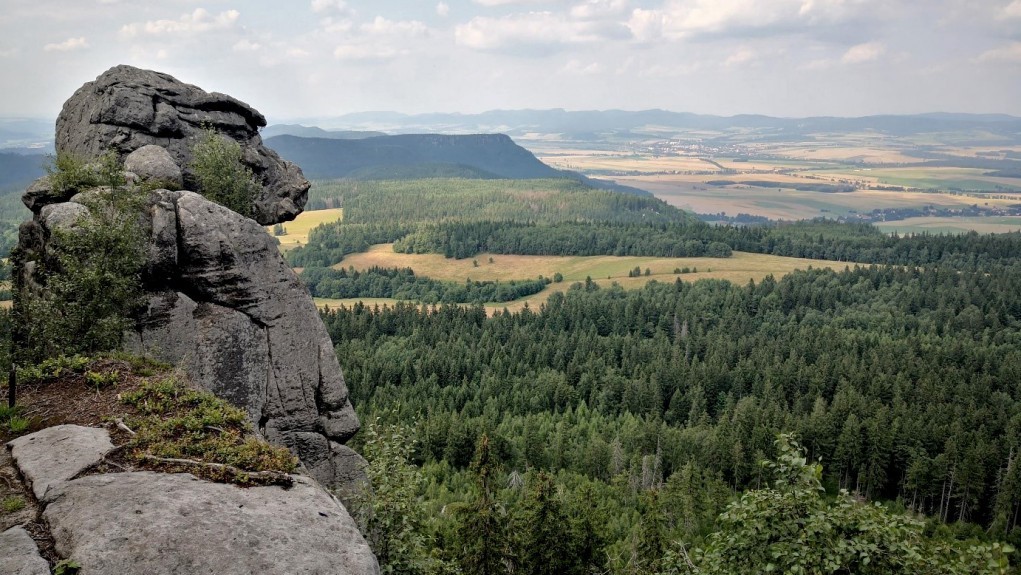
403	284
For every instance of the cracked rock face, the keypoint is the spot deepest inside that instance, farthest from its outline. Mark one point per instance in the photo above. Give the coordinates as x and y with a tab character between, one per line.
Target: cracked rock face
241	322
222	302
127	108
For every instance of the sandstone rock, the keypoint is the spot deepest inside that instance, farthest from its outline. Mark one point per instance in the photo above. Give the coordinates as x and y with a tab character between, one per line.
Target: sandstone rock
222	302
151	523
154	164
126	108
62	216
19	554
40	193
234	315
56	454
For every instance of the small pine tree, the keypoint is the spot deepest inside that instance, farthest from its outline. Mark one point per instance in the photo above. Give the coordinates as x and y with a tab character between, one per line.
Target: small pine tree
221	175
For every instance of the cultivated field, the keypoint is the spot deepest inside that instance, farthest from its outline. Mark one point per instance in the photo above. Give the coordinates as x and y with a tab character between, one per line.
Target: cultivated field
604	270
933	225
297	231
679	172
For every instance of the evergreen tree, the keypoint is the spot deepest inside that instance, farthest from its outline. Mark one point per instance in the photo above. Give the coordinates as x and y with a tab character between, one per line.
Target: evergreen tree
481	532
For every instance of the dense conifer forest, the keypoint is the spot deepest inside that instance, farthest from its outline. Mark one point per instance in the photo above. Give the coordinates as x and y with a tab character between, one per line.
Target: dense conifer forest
621	423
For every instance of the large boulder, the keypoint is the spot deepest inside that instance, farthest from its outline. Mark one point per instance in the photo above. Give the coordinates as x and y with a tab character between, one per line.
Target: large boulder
167	524
156	523
56	454
19	554
127	108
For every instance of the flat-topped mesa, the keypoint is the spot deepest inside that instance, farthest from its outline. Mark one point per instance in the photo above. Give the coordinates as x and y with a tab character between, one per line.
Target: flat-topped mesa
126	108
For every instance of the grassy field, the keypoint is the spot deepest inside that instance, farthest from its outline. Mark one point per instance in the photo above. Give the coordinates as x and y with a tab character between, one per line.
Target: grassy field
297	231
604	270
992	225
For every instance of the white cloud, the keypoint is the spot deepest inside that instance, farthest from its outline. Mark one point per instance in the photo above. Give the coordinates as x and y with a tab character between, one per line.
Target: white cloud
509	2
678	19
404	28
380	39
742	56
819	64
320	6
1010	53
599	9
366	52
443	9
246	45
197	22
1010	11
581	69
9	52
862	53
532	31
68	45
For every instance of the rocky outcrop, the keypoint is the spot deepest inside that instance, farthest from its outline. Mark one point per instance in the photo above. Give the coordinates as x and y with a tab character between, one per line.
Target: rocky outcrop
222	302
235	315
126	108
156	523
19	554
56	454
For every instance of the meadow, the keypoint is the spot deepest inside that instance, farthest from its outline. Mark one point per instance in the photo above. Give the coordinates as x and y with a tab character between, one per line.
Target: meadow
297	230
603	270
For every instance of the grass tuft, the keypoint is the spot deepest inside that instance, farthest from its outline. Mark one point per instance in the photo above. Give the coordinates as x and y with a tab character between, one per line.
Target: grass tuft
176	422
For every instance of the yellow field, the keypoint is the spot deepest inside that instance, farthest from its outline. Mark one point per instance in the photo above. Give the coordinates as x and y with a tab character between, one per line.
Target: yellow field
628	163
297	231
604	270
868	154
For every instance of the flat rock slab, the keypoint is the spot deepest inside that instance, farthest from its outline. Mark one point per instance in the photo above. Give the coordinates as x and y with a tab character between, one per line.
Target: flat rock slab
19	554
162	524
56	454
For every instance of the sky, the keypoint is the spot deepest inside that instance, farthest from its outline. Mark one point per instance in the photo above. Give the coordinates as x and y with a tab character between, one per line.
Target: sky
294	59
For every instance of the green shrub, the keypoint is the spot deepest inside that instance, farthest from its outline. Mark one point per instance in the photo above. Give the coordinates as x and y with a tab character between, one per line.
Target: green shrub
222	177
12	504
52	367
92	281
70	173
100	380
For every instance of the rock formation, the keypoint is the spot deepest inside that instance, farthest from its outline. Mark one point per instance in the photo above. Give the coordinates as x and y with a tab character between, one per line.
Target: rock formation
127	108
166	523
222	302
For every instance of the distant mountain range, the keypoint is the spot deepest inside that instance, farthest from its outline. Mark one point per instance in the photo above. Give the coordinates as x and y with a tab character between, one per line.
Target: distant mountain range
586	125
314	132
422	155
17	170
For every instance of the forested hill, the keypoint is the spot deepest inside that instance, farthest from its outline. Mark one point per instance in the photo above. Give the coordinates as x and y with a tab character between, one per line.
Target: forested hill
493	154
409	156
17	170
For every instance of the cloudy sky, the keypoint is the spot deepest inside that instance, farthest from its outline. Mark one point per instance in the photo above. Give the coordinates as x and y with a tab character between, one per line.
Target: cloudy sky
315	58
